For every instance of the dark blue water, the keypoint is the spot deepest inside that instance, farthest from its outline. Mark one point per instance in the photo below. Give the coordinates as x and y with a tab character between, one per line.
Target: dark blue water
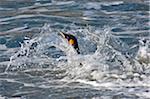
113	38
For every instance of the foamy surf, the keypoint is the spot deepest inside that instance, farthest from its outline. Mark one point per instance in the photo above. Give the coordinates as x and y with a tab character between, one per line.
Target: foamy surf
94	66
36	62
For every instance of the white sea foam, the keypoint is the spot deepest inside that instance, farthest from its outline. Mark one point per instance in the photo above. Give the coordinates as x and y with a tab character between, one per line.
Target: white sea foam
97	5
1	97
46	62
87	65
143	54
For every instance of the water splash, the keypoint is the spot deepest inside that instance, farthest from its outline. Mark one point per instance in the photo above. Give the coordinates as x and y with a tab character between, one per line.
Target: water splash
104	62
143	54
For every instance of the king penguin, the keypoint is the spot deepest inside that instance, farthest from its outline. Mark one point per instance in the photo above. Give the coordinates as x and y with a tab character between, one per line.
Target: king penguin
71	40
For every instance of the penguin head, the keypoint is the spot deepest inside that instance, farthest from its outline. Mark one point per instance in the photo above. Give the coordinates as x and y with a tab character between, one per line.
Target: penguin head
71	40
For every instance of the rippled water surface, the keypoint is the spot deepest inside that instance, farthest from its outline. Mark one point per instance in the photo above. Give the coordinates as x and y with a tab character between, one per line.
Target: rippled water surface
37	63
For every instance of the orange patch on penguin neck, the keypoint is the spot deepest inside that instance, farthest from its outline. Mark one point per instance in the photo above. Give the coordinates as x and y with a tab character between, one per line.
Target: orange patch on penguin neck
71	42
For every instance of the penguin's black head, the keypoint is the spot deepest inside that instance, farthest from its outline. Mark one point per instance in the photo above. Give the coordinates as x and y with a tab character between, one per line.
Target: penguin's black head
71	40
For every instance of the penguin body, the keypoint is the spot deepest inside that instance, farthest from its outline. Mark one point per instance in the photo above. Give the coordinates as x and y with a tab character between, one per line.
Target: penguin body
71	40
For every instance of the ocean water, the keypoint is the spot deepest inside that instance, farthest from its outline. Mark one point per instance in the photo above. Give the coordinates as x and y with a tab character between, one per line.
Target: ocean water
37	63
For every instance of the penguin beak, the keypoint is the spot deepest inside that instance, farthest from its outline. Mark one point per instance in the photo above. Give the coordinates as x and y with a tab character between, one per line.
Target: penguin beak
62	34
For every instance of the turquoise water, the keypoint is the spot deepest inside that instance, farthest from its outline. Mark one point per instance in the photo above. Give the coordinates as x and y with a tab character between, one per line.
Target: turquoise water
114	42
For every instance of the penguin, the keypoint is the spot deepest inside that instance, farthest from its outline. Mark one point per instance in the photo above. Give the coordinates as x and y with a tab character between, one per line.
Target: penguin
71	40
